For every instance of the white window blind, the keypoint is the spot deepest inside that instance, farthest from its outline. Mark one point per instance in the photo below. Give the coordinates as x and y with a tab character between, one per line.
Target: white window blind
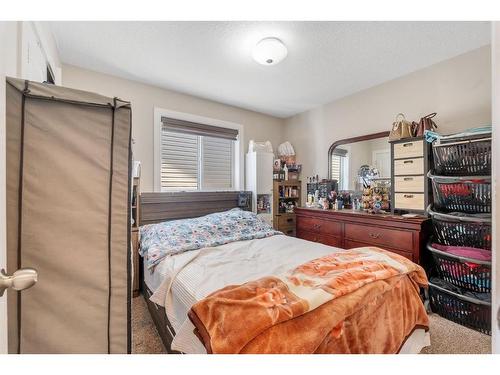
179	161
338	167
217	170
192	160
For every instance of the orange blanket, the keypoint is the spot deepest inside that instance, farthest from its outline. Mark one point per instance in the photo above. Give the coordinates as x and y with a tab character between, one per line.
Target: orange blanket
363	300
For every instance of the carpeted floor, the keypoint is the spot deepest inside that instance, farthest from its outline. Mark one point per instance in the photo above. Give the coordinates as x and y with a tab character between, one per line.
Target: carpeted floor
145	338
451	338
446	337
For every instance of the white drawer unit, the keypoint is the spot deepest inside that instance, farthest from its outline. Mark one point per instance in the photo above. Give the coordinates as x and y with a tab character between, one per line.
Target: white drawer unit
411	160
409	201
411	149
412	184
405	167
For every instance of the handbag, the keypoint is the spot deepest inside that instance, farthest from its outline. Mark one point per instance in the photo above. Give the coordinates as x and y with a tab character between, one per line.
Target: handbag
401	128
426	123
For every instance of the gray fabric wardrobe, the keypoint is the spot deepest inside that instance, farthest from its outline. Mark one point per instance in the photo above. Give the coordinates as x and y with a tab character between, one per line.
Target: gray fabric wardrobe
68	216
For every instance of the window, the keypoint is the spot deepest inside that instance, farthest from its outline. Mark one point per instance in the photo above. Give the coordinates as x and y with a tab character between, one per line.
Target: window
196	156
339	167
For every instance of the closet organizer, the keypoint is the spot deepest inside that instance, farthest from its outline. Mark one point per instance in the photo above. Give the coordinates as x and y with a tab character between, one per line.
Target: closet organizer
68	216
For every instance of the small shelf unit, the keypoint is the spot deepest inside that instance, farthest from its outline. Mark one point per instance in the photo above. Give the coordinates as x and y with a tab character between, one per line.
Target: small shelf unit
286	196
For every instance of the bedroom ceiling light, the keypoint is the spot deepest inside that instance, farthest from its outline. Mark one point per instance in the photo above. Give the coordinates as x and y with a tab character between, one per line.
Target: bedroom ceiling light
269	51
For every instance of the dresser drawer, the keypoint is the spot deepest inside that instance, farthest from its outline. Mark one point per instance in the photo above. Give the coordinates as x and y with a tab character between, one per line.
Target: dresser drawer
349	244
409	149
379	236
321	238
332	228
285	221
408	166
289	231
414	184
409	201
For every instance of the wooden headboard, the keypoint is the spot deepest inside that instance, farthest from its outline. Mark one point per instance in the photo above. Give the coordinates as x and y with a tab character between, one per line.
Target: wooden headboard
157	207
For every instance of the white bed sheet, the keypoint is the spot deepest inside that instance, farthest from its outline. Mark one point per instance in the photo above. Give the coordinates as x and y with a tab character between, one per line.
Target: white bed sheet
180	281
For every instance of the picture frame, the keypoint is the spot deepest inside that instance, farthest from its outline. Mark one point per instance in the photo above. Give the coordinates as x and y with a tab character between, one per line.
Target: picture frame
277	164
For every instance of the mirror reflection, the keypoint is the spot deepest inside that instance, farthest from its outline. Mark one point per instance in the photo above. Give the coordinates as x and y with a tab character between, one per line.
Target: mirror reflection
357	165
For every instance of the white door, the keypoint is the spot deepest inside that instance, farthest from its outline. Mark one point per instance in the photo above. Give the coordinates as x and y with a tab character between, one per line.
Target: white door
21	55
381	159
33	61
496	181
8	36
3	254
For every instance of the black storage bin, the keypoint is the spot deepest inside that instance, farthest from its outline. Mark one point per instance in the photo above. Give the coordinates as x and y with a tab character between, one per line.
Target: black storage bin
467	194
463	157
467	273
464	230
467	311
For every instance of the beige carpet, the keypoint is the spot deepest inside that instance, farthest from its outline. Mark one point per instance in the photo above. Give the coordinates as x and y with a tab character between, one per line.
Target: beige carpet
446	337
145	338
451	338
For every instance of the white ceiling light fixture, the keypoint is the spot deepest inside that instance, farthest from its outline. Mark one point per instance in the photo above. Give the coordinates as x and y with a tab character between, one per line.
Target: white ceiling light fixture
269	51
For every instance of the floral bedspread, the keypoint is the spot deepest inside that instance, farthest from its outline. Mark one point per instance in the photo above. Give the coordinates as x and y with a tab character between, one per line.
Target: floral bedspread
173	237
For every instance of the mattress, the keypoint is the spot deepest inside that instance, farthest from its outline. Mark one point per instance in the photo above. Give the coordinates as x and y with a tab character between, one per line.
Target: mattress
181	280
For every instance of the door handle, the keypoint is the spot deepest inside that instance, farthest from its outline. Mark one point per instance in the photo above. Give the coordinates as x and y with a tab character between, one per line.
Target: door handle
23	278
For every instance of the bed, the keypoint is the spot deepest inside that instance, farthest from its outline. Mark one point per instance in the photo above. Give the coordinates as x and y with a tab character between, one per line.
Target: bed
177	284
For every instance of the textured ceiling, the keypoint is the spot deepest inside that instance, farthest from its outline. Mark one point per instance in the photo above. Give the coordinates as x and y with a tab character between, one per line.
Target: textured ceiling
326	60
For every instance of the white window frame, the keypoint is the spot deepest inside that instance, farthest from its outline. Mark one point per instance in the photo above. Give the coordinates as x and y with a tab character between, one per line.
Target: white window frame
238	161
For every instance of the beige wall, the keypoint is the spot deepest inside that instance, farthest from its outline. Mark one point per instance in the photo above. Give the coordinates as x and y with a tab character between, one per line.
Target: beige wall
459	90
145	98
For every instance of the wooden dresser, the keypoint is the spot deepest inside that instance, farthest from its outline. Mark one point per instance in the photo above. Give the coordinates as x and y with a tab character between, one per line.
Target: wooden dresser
349	229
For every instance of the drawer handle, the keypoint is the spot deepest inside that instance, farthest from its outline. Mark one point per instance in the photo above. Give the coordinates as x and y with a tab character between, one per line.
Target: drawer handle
408	195
408	162
408	179
408	145
374	235
289	220
289	231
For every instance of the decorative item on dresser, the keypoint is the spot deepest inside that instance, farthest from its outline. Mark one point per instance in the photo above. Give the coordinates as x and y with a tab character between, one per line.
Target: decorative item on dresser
349	229
135	207
411	160
286	197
